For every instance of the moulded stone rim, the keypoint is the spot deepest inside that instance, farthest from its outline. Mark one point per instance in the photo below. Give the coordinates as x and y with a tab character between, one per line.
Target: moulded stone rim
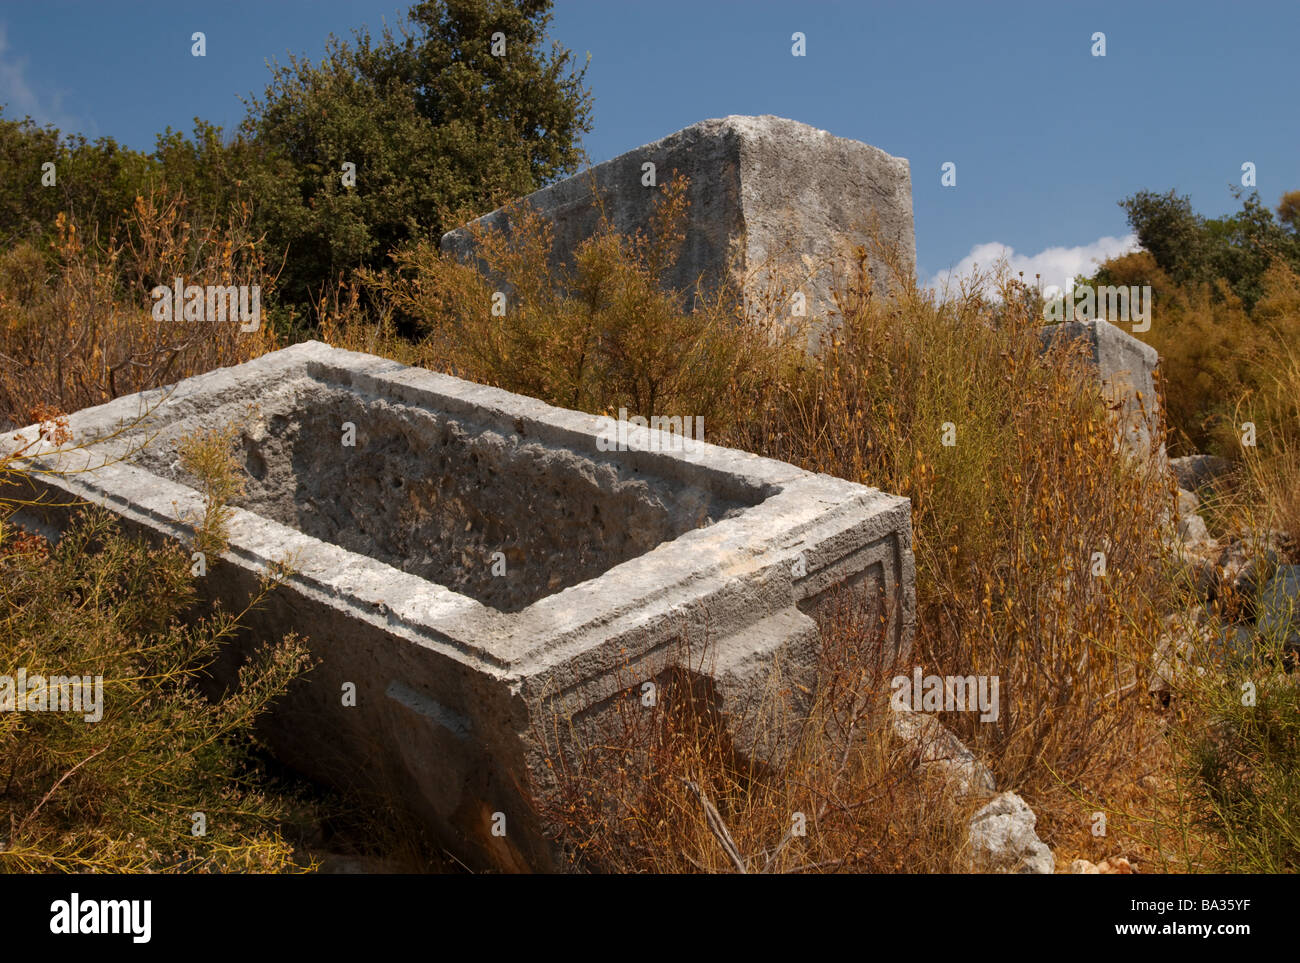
796	510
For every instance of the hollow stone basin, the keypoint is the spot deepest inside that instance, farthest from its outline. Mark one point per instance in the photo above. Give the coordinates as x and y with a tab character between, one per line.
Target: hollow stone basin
474	566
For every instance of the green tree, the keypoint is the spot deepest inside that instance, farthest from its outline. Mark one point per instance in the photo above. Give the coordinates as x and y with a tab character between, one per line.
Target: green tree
211	169
434	121
1224	291
1191	249
1288	210
1167	226
95	182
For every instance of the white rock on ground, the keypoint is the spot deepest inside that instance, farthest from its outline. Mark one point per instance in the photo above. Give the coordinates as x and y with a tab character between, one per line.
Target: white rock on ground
1115	866
1003	840
939	751
1191	528
1001	835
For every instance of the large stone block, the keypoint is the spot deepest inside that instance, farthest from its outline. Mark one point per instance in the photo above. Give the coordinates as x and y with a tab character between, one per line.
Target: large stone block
484	569
1126	373
779	190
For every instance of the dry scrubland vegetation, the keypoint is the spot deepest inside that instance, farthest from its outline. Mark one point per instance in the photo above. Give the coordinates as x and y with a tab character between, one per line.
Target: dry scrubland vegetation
76	328
119	795
1005	523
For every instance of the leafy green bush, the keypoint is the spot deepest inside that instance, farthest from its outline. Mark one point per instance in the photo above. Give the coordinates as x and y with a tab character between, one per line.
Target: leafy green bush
96	182
127	791
433	122
1237	249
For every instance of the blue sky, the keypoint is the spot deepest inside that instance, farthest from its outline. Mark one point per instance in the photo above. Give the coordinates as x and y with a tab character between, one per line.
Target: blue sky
1046	137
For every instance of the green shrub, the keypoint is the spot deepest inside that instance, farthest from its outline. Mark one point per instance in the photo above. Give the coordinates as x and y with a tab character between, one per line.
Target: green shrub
120	793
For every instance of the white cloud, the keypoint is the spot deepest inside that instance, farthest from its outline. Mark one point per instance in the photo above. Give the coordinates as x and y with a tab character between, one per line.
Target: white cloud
20	100
1058	266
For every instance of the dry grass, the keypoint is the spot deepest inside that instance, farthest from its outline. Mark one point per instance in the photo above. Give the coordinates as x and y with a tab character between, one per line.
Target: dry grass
670	793
1008	520
1213	351
1040	544
75	321
1269	469
595	338
1011	522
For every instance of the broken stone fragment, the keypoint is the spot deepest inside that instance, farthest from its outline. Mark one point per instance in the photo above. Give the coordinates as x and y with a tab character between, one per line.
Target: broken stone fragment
1191	528
1116	866
938	751
1279	608
1199	472
1125	369
1184	636
1003	839
1192	638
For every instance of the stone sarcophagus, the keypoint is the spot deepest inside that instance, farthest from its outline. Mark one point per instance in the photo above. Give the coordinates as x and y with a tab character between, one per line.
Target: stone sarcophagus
471	562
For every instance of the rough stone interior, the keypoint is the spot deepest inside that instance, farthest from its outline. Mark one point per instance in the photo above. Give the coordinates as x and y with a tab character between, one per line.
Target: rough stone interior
437	496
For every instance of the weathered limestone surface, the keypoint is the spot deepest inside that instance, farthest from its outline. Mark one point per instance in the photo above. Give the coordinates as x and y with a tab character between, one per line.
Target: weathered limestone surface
616	563
1001	835
939	751
1003	839
766	184
1126	369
